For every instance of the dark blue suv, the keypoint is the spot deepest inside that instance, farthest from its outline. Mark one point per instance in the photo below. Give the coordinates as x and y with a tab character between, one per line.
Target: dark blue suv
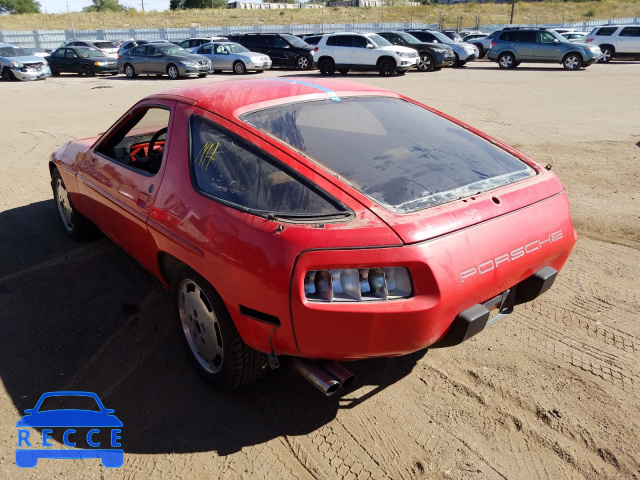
512	46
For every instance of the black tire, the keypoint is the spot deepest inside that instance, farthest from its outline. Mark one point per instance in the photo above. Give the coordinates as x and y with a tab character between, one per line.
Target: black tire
173	72
129	71
88	71
259	71
481	52
7	75
327	67
607	53
456	62
239	68
572	61
344	72
401	72
202	75
303	63
426	62
212	342
387	67
73	223
506	60
54	71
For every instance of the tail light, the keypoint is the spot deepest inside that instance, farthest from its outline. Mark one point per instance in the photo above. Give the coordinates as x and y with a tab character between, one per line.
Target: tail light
362	284
315	50
589	40
119	57
493	44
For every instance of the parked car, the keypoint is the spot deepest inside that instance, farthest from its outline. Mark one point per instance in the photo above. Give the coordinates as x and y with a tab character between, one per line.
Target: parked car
81	60
193	42
162	58
578	37
620	41
433	56
483	44
110	49
363	52
284	50
472	36
17	64
463	52
511	46
312	39
325	220
233	56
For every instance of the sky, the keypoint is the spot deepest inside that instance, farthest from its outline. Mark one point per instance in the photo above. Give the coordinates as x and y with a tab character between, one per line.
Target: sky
60	6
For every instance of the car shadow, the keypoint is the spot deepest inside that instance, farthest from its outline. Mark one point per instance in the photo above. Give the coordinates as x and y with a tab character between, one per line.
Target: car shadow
85	316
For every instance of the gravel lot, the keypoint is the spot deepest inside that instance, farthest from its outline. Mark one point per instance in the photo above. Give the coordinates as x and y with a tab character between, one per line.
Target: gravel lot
550	392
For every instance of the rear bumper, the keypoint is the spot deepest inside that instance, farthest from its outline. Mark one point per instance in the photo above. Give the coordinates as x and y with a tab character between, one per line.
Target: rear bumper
449	275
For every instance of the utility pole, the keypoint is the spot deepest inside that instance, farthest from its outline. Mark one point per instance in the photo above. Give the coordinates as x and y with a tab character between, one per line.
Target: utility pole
513	6
142	3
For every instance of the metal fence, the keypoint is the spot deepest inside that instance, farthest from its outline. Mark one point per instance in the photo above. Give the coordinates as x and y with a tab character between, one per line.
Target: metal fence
50	39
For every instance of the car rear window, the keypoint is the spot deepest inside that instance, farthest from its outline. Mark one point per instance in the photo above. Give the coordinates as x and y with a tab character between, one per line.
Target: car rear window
401	155
104	45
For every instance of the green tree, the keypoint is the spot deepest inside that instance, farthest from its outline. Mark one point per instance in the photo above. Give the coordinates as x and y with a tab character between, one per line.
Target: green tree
104	6
188	4
19	6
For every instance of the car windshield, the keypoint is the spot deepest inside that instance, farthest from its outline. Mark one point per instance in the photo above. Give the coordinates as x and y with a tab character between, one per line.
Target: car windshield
173	50
407	37
236	48
104	45
442	38
13	52
378	40
295	41
89	53
401	155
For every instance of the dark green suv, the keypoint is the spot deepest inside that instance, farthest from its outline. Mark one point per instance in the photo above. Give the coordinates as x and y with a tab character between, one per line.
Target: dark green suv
512	46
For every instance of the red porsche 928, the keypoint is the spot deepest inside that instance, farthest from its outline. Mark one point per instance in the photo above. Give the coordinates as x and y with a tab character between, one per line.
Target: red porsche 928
321	219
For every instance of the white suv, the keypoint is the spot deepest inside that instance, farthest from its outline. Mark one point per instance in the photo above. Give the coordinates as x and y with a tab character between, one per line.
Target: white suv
362	52
616	40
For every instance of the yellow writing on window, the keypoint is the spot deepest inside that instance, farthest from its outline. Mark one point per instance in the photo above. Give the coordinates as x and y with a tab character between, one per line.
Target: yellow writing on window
207	154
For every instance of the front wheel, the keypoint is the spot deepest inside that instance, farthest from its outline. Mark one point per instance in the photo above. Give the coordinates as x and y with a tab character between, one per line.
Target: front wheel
572	61
88	71
303	63
387	67
73	223
426	63
129	71
7	75
239	68
506	60
607	53
54	71
214	345
327	67
173	72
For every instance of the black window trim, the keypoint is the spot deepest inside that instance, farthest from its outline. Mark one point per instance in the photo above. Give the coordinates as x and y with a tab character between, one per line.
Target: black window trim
109	135
346	213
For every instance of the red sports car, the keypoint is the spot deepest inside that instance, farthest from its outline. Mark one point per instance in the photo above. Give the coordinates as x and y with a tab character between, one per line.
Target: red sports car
321	219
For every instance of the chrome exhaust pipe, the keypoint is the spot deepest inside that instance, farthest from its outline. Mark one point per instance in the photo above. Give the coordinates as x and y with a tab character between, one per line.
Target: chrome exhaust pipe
341	374
317	377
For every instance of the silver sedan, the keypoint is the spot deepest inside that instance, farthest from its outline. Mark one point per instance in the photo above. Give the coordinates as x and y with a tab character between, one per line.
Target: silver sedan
160	59
233	56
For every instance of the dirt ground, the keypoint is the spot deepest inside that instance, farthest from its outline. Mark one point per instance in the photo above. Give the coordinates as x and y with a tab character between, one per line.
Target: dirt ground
550	392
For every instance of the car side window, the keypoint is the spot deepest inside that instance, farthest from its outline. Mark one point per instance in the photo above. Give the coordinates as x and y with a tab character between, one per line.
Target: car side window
220	49
606	31
280	43
360	42
152	50
60	53
138	51
332	41
227	168
71	54
630	32
344	41
508	36
267	41
544	37
205	49
138	141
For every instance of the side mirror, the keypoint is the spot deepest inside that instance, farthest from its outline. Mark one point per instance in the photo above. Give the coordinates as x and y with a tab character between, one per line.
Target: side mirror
225	52
555	40
369	46
435	41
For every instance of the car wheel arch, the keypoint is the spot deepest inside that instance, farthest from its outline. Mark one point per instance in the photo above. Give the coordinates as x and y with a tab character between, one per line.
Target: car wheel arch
386	57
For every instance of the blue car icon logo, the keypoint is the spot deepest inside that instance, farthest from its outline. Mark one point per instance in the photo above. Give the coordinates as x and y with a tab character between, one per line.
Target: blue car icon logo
94	426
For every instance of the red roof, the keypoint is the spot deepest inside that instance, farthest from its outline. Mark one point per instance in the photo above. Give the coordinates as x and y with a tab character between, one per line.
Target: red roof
227	97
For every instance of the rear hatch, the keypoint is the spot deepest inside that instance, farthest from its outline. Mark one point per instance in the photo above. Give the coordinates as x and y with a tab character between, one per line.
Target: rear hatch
421	172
